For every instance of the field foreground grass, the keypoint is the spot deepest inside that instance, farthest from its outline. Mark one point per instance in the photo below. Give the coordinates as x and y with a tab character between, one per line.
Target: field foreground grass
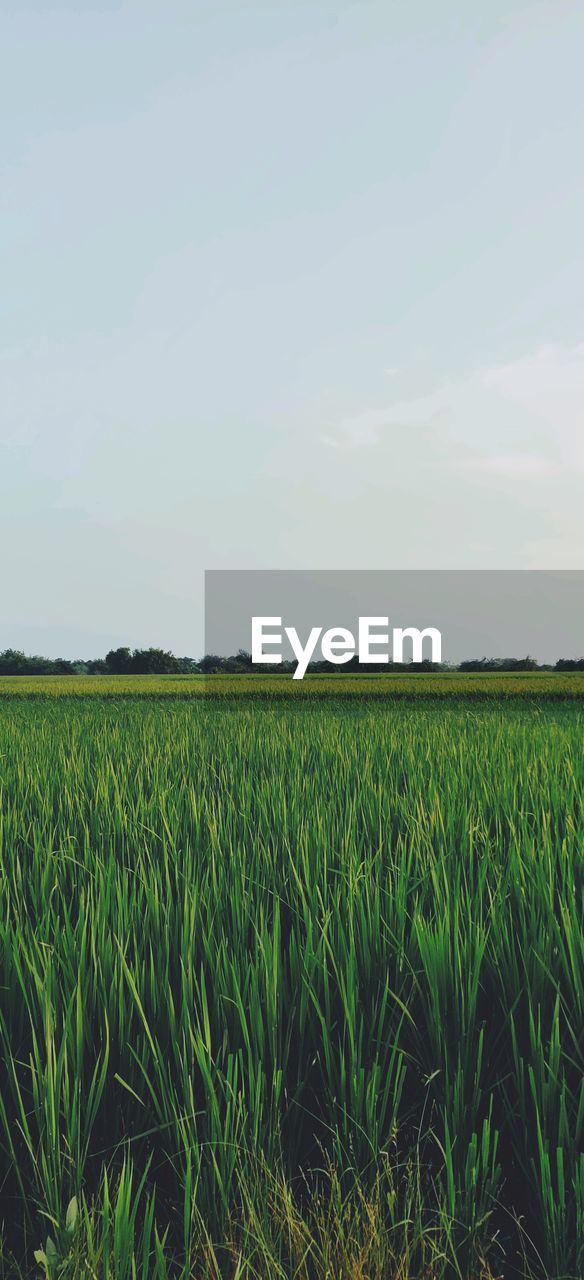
291	987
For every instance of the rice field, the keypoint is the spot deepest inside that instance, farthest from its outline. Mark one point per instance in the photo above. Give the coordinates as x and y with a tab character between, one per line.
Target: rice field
548	684
292	986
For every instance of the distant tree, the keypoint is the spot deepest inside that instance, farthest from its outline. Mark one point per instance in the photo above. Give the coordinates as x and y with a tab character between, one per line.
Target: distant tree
211	664
96	666
62	667
498	664
188	666
13	662
526	664
118	661
238	664
153	662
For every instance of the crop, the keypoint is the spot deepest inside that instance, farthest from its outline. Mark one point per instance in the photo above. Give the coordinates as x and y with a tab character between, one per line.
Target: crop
292	986
476	685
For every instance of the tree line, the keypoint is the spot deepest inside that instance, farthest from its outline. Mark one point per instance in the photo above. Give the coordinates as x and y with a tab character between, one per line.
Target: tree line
122	661
126	661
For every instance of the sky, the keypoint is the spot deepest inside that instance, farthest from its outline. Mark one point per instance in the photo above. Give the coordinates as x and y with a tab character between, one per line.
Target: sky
283	285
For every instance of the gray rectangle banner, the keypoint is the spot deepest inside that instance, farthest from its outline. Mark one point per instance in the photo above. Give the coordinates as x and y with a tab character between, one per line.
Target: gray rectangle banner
484	613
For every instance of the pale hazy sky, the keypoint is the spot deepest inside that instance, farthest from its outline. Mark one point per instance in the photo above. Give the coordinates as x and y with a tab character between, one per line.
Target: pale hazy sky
285	284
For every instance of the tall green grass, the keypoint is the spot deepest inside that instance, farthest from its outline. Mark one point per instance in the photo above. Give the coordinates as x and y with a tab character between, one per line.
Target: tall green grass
291	988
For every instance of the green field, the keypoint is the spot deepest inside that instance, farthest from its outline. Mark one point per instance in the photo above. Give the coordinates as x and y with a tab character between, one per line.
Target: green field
292	986
549	684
